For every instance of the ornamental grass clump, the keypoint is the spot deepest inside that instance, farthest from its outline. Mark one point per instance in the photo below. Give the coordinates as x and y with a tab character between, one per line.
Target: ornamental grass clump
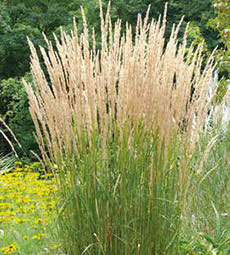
118	124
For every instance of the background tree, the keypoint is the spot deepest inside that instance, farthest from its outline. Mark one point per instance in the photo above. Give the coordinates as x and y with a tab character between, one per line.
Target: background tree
221	23
26	18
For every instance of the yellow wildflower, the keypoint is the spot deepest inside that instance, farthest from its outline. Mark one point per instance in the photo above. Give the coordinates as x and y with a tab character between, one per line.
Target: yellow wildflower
4	206
9	249
18	163
19	220
39	236
39	220
55	247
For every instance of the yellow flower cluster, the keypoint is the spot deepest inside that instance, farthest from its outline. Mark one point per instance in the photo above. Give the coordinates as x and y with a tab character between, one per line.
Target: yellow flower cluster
39	236
27	206
9	249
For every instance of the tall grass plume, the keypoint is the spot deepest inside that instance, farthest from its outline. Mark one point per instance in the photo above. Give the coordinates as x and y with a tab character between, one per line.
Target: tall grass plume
120	123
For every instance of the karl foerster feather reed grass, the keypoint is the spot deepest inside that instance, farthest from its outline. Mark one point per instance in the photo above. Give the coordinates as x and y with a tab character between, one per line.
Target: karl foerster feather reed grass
115	121
128	79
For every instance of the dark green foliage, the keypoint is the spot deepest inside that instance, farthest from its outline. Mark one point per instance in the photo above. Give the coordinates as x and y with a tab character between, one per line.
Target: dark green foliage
15	112
221	23
26	18
198	12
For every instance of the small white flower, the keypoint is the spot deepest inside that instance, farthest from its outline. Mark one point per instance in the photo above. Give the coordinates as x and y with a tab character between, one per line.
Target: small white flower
1	233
